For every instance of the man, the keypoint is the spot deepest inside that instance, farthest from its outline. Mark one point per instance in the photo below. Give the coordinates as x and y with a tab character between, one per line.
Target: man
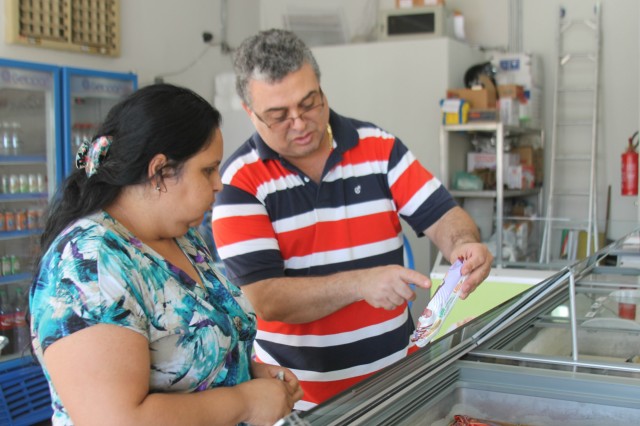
308	223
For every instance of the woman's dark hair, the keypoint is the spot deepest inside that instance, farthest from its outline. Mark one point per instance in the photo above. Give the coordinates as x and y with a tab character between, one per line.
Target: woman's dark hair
156	119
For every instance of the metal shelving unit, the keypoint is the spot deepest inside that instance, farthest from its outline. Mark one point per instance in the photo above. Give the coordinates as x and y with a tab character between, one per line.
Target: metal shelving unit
500	193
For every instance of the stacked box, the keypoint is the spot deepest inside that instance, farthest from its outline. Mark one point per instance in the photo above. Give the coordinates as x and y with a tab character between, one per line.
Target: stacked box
518	68
526	70
487	160
477	98
520	176
532	157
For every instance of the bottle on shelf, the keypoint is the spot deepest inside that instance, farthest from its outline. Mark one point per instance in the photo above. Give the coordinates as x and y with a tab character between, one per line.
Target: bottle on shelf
16	138
81	132
21	335
5	142
9	220
7	321
76	135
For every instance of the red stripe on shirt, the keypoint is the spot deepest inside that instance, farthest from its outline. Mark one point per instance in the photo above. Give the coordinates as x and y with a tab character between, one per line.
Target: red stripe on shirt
352	317
328	236
252	175
318	392
241	228
381	151
409	182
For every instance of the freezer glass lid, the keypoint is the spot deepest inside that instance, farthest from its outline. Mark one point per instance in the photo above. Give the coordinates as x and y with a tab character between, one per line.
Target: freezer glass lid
586	319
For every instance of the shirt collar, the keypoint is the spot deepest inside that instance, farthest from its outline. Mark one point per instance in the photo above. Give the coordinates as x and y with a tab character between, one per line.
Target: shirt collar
345	136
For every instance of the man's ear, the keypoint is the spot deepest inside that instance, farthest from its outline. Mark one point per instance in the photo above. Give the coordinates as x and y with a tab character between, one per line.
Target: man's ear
246	109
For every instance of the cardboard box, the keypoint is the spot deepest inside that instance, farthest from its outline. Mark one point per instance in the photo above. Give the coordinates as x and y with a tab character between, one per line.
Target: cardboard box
511	91
532	157
488	178
401	4
518	68
487	160
526	154
476	115
477	98
520	177
454	111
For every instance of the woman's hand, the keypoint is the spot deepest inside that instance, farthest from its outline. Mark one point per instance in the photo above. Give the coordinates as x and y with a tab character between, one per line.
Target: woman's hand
271	397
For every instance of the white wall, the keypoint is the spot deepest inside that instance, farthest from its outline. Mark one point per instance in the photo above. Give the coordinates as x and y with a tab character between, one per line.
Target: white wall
485	21
159	36
487	25
619	78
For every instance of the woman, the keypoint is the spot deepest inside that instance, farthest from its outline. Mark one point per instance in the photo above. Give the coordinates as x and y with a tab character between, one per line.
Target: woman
130	320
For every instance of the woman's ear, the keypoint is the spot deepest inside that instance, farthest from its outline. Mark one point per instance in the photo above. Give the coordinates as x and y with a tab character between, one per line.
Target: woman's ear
156	165
155	174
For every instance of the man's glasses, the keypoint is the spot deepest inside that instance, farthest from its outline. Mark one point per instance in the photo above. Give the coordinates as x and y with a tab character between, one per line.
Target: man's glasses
308	109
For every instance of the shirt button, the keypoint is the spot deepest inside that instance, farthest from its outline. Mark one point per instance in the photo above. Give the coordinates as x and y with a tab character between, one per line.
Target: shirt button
306	179
238	323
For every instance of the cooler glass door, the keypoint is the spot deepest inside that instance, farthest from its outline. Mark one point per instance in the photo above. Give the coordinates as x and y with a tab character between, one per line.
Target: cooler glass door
88	96
29	173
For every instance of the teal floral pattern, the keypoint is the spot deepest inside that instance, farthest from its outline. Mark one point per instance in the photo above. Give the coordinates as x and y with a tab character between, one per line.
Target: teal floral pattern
97	272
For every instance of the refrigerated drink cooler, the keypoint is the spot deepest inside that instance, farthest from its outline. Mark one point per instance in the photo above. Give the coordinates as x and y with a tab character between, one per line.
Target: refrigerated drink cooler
30	170
88	95
41	107
566	351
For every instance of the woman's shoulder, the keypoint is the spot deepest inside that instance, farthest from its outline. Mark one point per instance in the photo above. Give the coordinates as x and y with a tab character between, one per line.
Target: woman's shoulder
89	234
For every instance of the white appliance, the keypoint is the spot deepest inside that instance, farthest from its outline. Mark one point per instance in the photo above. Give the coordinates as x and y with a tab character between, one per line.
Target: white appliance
414	22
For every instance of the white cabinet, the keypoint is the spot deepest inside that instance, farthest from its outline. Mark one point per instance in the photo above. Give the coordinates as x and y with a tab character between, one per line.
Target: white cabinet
450	154
398	85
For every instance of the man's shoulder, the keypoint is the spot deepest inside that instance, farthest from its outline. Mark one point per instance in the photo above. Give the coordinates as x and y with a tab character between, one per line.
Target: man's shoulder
240	154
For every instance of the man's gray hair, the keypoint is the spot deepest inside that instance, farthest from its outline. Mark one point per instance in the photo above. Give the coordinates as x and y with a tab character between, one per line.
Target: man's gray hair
270	56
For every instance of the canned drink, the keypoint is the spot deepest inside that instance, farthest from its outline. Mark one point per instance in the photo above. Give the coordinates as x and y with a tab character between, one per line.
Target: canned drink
33	183
15	264
9	220
41	218
32	219
14	184
24	183
4	184
21	220
5	265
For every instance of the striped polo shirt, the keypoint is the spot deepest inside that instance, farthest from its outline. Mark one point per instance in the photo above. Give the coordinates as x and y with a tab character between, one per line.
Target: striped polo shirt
270	221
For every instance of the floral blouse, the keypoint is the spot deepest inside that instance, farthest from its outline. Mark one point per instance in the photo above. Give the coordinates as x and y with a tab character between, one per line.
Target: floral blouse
97	272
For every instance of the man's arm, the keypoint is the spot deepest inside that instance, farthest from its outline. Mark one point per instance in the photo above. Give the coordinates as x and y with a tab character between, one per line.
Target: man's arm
305	299
457	236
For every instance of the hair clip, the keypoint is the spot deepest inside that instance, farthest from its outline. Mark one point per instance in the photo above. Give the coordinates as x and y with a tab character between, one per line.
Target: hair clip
91	153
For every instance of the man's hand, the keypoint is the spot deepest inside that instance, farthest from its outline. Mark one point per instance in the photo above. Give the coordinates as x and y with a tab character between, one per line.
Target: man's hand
477	265
387	287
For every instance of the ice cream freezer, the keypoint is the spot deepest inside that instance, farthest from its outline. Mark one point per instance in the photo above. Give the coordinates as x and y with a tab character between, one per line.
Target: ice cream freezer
565	351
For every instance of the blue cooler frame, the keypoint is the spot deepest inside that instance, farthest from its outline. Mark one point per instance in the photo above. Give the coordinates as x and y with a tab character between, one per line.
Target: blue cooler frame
24	390
24	393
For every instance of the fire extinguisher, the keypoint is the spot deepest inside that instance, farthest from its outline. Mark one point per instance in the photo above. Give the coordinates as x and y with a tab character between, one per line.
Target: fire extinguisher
630	168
